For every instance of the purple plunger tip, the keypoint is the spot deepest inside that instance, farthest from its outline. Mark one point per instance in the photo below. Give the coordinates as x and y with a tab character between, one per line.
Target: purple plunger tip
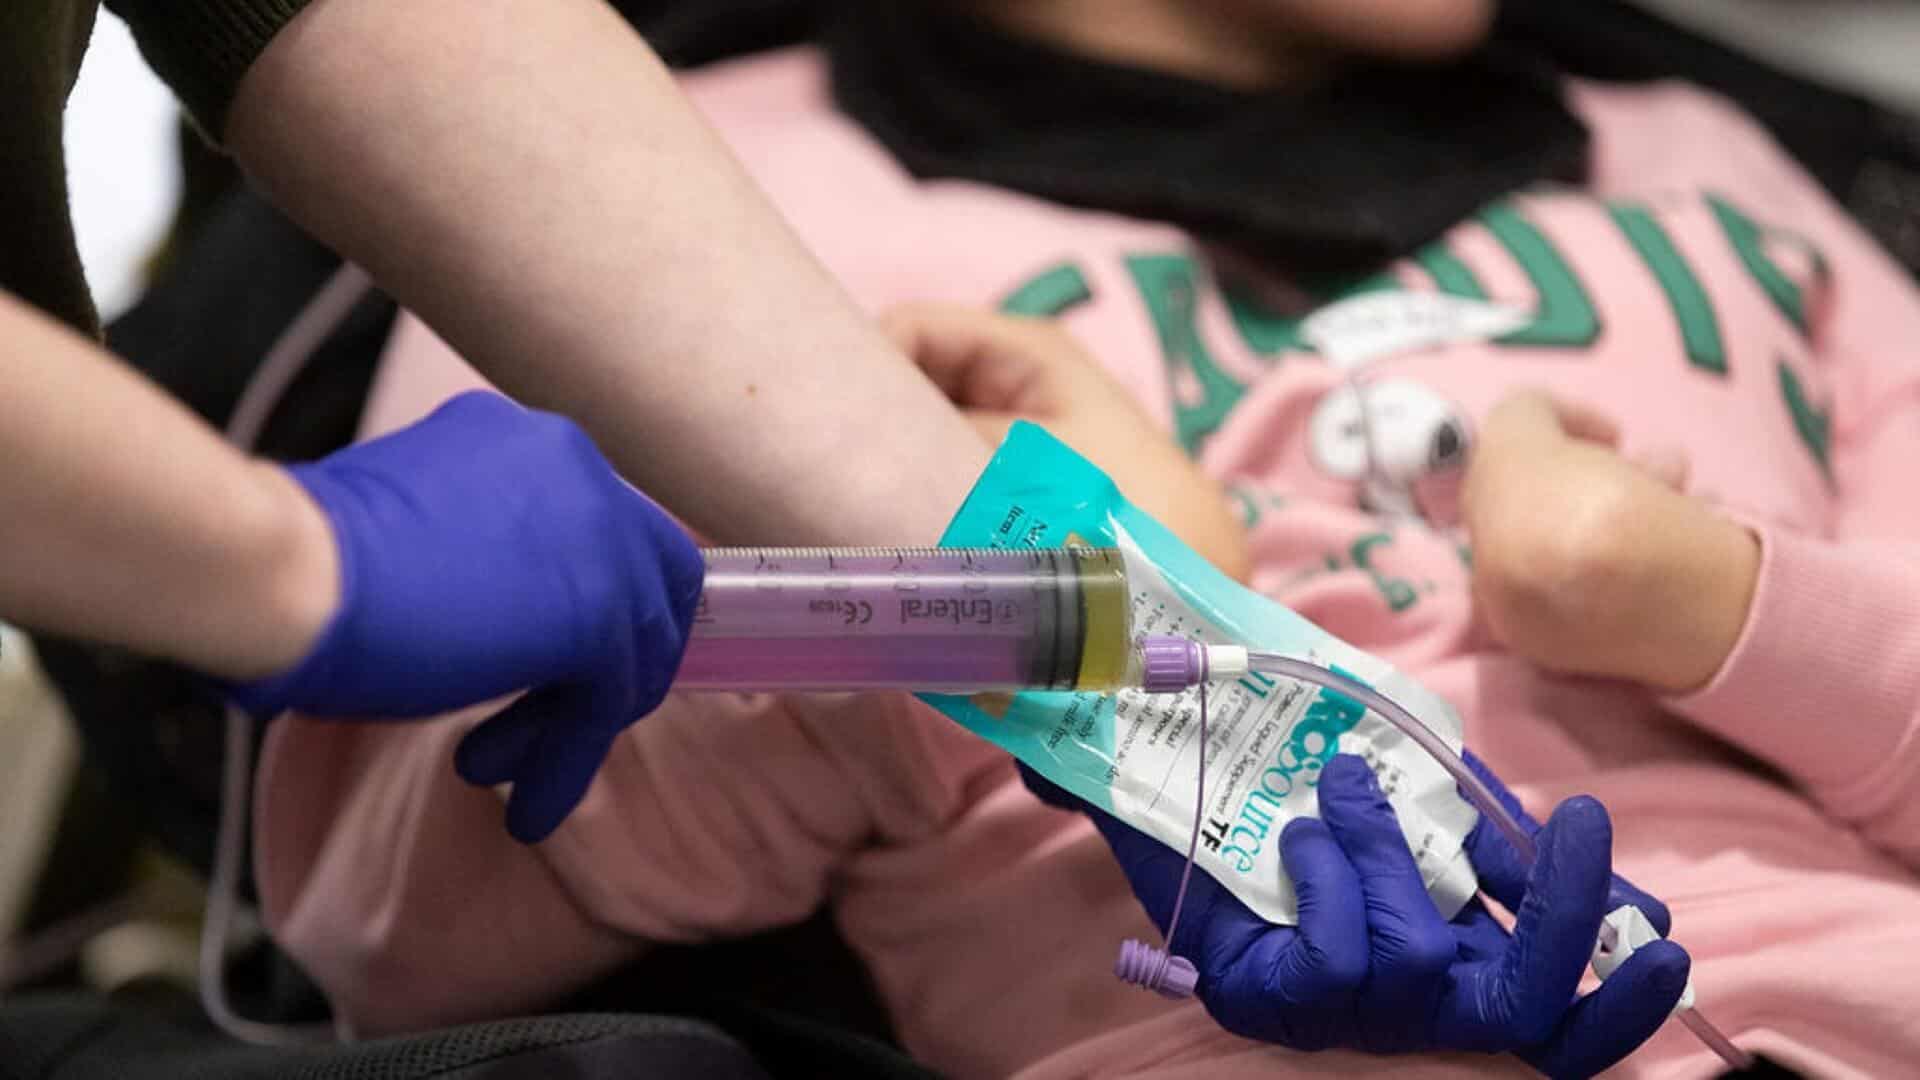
1170	664
1142	965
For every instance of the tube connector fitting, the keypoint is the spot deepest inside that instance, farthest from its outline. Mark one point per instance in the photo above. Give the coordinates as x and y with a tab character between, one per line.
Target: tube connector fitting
1170	664
1622	932
1226	662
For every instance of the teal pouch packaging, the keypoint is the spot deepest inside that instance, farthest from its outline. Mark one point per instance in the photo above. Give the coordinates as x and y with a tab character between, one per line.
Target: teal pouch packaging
1134	754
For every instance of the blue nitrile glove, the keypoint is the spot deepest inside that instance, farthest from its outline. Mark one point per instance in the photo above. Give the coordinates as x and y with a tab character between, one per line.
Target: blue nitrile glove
1373	967
489	549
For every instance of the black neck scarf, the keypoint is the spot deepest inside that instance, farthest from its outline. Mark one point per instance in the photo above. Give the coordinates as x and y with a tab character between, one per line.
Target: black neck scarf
1366	168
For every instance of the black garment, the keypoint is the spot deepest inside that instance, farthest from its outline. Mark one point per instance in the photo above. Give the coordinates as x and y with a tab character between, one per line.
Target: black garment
1344	179
689	33
1867	156
1337	181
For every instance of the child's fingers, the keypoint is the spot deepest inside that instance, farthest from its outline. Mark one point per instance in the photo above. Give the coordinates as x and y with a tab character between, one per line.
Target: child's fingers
1533	415
928	335
1667	464
992	426
978	359
1523	419
1581	421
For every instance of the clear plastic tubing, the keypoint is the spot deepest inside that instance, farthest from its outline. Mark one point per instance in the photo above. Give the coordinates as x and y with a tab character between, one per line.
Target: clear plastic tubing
1476	792
961	620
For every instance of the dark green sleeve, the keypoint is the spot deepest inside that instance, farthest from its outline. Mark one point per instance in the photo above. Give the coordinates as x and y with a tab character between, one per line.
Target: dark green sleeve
202	47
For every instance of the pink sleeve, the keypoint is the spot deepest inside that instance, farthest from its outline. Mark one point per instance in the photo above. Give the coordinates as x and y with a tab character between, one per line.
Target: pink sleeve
396	886
383	874
1824	683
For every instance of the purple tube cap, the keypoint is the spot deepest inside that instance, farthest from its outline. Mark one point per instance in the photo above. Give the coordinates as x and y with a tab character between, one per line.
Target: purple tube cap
1169	664
1179	980
1140	964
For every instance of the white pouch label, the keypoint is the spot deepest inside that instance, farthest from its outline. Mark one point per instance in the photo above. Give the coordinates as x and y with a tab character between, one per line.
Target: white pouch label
1268	737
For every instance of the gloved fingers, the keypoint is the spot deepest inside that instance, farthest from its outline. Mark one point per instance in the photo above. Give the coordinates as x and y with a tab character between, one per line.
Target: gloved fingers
1281	983
1502	874
446	432
484	406
637	669
1328	958
1217	933
1624	893
1627	1009
1528	823
492	752
548	745
682	571
1504	877
1153	870
1411	946
553	781
1049	792
1557	923
667	573
1479	937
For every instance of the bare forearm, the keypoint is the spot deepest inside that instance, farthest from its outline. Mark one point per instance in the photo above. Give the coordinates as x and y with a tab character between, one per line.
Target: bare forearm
125	519
1589	564
525	175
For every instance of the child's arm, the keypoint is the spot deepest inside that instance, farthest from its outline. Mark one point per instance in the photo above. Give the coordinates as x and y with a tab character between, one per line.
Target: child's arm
1589	564
391	882
1825	679
999	369
1803	650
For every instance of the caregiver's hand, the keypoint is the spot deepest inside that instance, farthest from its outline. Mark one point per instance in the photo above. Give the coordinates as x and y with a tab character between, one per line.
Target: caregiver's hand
1587	563
484	550
1001	368
1372	965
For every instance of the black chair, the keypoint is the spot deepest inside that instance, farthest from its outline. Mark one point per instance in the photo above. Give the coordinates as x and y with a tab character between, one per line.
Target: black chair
90	1038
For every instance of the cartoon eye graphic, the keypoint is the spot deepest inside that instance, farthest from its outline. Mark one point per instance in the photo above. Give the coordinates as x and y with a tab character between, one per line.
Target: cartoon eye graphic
1449	446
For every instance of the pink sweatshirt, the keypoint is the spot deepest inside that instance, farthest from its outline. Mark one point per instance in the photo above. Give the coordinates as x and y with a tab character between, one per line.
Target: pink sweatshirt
1701	290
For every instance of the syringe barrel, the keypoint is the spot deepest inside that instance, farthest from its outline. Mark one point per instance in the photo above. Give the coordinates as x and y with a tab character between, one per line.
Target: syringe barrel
928	619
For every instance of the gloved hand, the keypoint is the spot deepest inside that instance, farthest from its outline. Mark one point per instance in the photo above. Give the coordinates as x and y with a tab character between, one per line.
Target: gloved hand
489	549
1373	967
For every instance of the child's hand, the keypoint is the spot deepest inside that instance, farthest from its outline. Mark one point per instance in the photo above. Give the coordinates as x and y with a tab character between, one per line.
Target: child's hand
999	369
1589	564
